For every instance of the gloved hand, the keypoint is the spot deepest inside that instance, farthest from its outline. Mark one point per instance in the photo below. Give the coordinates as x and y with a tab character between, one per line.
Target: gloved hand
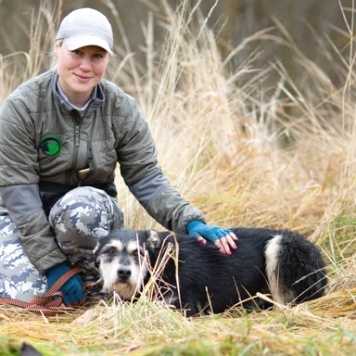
72	290
223	238
196	228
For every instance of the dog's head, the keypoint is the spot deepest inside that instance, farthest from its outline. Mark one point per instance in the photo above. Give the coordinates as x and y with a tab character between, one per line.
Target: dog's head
123	257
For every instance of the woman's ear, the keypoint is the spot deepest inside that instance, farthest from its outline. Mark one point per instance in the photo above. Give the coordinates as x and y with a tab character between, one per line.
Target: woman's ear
57	46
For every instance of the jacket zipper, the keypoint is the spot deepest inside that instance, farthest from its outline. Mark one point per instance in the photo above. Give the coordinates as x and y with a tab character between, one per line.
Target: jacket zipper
77	137
83	173
75	150
77	144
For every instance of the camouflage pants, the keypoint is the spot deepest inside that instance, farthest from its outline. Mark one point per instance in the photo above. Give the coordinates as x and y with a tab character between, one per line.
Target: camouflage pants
78	220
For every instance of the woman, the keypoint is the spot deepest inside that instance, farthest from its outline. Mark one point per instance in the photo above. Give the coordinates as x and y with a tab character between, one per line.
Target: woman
61	137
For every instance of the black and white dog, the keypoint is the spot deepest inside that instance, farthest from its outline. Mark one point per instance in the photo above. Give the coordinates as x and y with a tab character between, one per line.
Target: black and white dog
199	278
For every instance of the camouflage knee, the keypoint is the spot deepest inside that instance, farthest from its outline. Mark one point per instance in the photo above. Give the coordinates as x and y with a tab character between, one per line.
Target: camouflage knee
79	219
19	278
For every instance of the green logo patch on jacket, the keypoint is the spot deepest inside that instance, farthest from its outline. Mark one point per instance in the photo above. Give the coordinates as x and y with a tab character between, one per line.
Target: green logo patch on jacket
51	145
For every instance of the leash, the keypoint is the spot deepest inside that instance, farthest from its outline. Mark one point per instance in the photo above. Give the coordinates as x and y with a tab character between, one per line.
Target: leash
51	302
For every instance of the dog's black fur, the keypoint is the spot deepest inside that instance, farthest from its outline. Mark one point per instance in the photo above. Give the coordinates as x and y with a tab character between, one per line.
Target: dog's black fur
280	262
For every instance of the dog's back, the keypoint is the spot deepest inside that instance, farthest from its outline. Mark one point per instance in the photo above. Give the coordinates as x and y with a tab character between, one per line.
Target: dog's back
214	281
281	262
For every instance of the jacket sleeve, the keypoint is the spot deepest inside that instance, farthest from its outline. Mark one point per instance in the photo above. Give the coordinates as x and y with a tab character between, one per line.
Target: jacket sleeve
142	173
164	203
18	154
19	176
136	150
25	209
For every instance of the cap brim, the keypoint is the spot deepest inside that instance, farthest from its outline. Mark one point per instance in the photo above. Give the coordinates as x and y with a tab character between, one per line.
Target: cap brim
75	42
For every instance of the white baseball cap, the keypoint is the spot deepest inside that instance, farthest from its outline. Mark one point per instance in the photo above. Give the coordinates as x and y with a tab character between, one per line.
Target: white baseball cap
86	27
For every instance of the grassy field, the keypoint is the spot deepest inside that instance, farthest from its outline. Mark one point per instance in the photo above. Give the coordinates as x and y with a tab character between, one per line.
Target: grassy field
247	149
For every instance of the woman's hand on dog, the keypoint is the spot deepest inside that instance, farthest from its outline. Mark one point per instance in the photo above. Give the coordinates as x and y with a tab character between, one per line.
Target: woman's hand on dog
226	243
224	239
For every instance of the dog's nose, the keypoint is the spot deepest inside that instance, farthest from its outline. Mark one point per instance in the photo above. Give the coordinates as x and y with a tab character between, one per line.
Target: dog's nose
124	273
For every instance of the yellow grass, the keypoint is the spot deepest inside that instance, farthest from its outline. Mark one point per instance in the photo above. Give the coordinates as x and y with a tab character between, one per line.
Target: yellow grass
245	152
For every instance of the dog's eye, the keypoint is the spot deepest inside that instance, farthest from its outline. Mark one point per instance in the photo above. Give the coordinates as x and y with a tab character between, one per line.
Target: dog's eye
137	253
110	251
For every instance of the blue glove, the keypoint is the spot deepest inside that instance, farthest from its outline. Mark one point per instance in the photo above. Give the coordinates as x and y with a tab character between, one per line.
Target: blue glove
196	228
72	290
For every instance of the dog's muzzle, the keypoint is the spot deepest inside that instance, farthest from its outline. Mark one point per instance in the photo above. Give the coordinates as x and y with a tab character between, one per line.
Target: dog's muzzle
123	273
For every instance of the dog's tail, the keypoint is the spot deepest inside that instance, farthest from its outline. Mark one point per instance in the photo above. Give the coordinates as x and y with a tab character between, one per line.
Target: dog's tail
295	269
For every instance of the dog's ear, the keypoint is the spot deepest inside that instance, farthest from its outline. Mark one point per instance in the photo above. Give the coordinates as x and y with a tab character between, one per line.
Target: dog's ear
153	240
96	248
95	252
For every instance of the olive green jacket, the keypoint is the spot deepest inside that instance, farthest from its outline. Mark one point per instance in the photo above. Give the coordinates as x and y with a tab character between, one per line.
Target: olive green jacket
43	139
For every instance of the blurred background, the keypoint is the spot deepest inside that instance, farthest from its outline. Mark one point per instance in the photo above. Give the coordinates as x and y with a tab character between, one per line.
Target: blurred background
309	24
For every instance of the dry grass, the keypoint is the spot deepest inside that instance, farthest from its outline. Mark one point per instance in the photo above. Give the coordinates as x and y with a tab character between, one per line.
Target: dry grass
246	154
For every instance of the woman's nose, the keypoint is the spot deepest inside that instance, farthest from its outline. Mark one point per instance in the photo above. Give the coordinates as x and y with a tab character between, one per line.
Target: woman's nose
85	63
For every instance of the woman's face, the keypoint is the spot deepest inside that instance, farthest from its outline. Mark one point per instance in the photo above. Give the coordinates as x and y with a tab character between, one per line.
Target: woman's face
80	71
